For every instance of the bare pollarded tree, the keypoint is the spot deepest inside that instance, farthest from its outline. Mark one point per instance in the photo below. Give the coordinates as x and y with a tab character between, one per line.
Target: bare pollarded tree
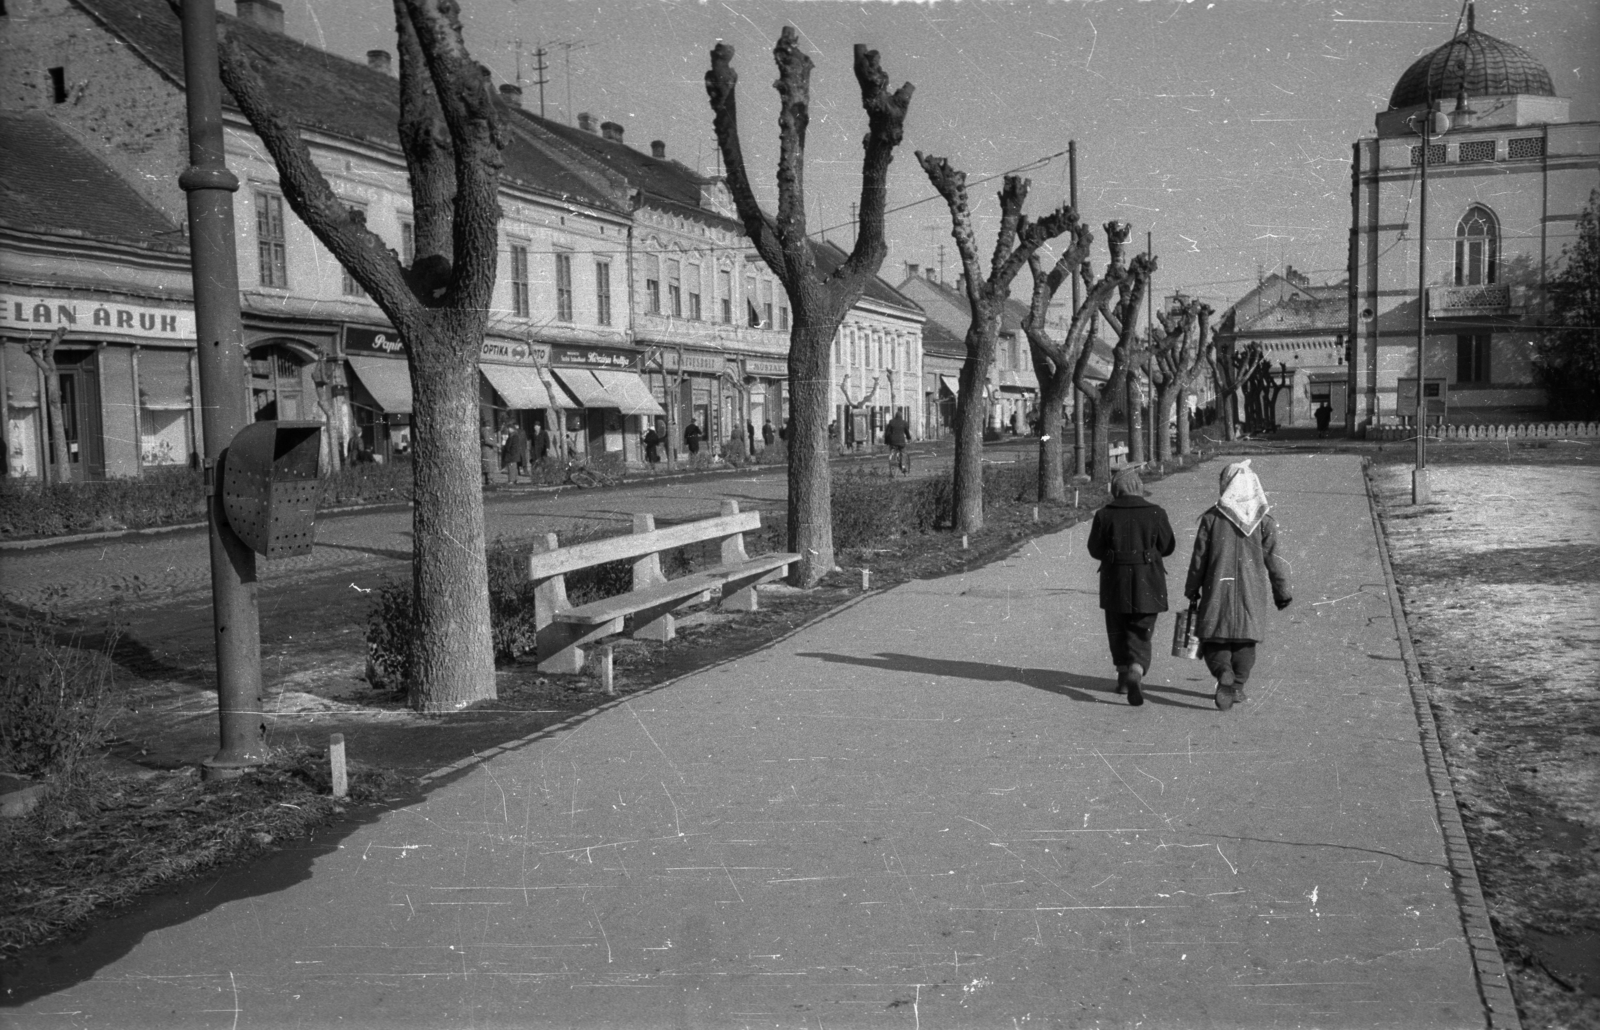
819	301
1178	351
1120	309
451	141
1018	240
43	353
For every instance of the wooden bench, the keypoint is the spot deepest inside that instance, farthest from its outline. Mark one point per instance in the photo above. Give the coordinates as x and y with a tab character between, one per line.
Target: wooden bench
563	629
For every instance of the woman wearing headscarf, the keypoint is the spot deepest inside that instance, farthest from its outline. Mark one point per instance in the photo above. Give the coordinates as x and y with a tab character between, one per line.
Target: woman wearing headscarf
1129	538
1233	574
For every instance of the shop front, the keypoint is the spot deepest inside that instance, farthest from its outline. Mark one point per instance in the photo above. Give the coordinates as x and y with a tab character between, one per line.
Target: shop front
767	383
613	404
126	379
377	385
692	383
516	388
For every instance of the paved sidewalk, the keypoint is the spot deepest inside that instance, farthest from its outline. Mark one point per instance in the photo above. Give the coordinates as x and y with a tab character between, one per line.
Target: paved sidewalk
928	810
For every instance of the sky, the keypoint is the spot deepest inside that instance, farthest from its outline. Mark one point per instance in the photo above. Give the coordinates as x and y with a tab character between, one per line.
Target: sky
1221	127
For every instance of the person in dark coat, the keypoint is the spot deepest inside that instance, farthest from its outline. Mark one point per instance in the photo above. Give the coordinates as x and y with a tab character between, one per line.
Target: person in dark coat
538	443
768	434
1129	537
516	453
691	438
1234	573
652	446
488	450
1324	415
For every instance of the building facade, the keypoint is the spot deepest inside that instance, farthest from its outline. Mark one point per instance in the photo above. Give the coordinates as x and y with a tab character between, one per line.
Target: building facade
1301	329
1506	183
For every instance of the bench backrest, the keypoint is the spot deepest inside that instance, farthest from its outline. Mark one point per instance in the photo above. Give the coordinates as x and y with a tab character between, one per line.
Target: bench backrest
644	541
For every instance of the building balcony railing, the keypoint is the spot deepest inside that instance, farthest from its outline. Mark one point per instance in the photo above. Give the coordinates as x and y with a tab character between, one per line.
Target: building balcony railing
1466	301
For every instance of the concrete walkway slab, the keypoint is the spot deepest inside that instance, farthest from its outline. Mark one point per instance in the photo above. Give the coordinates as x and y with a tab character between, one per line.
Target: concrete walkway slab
929	810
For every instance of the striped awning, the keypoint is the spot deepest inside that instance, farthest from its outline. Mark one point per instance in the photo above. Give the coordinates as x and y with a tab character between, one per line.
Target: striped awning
632	397
521	386
584	387
388	380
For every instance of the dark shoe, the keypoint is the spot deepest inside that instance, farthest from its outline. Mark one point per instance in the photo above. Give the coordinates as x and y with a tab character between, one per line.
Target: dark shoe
1238	694
1224	698
1135	678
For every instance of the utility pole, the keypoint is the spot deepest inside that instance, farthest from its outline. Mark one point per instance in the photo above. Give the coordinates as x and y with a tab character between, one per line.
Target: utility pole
224	408
567	47
539	69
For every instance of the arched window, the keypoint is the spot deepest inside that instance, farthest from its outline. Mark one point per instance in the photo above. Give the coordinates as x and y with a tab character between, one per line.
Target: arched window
1477	248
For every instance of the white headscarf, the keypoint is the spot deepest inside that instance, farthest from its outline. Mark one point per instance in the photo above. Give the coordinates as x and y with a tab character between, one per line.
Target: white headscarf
1243	501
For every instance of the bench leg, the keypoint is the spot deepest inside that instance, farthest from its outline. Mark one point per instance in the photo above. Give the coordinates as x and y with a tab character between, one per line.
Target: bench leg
739	595
663	629
559	644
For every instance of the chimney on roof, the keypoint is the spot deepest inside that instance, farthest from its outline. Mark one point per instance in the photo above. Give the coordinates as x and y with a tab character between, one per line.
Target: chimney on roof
912	269
511	94
378	61
263	14
658	149
586	121
611	131
931	277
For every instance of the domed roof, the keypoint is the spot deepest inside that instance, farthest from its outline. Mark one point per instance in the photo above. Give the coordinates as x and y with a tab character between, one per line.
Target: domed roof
1475	62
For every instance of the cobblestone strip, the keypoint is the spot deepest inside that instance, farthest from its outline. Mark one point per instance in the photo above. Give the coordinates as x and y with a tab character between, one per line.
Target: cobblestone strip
1494	987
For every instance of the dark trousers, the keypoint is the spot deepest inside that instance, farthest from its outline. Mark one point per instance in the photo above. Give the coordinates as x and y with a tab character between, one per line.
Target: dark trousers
1129	635
1237	657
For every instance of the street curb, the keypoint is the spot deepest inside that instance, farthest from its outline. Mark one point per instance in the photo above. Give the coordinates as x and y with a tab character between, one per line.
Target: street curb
1494	987
463	764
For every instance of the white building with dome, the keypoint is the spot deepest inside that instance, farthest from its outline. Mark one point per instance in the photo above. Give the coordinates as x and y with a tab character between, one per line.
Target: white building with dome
1506	183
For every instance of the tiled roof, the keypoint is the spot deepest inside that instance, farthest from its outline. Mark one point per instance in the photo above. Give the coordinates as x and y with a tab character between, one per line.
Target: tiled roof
830	256
1328	314
50	183
324	92
948	307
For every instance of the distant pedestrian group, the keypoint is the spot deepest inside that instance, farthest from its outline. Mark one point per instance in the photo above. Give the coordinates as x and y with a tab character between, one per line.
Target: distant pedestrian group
1234	573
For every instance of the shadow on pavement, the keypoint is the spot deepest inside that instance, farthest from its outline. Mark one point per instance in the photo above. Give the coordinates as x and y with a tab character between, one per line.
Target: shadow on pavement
1089	689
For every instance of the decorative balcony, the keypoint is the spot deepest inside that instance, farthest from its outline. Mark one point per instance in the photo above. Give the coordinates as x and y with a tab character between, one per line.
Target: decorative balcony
1469	301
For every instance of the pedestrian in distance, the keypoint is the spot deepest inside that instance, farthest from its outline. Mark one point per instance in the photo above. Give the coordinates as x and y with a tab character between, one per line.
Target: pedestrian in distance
652	446
1324	416
768	434
691	438
516	453
896	435
488	450
538	444
1129	537
1234	573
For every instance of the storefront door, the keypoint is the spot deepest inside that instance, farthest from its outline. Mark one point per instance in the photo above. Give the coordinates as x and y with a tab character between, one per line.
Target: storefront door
80	418
275	385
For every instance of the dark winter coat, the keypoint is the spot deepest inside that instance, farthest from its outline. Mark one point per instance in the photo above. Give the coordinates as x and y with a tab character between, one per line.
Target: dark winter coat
1129	538
896	433
1237	578
517	448
691	438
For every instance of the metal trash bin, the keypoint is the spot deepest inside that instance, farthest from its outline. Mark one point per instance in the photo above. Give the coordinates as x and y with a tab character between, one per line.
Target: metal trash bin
271	484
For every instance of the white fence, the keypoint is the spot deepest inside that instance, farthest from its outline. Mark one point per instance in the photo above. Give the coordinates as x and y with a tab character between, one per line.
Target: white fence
1474	431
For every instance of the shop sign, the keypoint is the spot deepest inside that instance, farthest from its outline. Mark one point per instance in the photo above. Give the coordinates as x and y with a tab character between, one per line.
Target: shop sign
592	357
82	316
770	369
360	340
693	362
515	351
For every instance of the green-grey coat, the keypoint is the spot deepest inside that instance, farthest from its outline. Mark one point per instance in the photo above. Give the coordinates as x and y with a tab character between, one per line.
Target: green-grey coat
1236	578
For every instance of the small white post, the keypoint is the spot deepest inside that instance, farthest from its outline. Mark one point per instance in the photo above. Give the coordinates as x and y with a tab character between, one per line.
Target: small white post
963	541
1074	497
341	782
608	681
1036	513
866	580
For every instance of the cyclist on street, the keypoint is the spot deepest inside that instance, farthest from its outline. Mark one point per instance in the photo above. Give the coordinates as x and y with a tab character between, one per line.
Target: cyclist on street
897	434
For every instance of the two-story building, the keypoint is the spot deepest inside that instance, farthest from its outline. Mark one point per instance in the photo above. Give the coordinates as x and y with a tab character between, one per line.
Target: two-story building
1301	327
1507	180
1011	394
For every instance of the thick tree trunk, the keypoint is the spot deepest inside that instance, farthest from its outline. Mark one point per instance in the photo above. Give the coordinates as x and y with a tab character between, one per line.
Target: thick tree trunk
1052	412
1184	448
1080	455
810	480
454	657
1136	455
1165	396
967	471
1100	445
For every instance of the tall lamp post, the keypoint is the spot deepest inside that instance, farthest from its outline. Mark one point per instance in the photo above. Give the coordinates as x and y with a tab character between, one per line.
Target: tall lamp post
1428	124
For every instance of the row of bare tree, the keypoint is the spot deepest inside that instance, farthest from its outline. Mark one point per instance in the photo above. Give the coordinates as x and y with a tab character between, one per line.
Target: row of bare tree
451	139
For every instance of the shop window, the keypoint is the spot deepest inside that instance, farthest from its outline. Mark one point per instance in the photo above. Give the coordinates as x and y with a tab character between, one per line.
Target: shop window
520	305
563	287
1477	248
272	262
725	295
351	288
165	407
275	388
1472	358
602	292
675	288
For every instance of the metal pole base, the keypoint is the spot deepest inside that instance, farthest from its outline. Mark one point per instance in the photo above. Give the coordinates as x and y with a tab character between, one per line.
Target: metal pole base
1419	487
219	768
